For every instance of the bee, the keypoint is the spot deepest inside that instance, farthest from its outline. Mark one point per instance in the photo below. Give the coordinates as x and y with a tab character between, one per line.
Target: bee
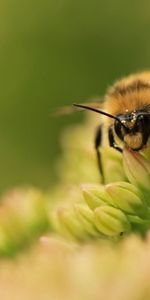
126	111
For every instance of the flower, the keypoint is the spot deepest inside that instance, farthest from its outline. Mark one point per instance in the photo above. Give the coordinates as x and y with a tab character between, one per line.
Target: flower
137	169
23	217
56	269
126	192
66	223
127	197
90	248
86	217
95	195
111	221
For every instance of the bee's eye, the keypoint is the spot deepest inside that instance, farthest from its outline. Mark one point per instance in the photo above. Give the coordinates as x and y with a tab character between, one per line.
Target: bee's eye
118	129
143	125
144	120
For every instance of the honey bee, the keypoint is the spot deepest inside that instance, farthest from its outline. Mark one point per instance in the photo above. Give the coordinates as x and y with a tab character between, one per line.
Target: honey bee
127	108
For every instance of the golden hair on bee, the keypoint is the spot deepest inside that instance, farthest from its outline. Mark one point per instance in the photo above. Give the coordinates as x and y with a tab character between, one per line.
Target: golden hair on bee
126	113
128	94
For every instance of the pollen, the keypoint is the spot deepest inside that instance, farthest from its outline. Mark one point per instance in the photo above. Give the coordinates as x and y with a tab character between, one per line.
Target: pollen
133	141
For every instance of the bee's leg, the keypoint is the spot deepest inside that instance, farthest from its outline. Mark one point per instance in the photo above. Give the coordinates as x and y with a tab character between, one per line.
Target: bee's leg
97	144
112	140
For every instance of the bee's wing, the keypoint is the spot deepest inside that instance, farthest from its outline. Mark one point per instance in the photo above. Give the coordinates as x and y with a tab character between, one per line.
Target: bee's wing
65	110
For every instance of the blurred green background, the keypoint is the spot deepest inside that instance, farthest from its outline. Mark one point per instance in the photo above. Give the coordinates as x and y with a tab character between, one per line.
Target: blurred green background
52	53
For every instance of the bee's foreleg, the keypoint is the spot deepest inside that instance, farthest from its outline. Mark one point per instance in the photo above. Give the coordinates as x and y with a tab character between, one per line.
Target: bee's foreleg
97	144
112	140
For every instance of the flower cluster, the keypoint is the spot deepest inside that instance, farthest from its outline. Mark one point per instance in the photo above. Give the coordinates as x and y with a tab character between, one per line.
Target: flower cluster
64	268
56	269
112	210
23	217
96	212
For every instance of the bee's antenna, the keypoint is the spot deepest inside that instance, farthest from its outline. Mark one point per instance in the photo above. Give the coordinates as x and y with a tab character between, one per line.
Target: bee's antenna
98	111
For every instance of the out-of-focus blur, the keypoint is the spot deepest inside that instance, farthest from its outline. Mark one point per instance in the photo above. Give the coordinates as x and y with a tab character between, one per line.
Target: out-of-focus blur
53	53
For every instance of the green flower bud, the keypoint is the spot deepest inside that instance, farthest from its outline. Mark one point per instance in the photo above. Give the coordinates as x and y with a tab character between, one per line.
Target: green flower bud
12	232
69	224
137	169
111	221
30	205
86	217
95	195
126	197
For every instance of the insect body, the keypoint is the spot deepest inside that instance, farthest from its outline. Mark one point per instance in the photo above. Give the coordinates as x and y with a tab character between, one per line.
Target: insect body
127	108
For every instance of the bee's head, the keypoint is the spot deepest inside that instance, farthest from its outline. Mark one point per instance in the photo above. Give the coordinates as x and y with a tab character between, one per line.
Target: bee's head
133	129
